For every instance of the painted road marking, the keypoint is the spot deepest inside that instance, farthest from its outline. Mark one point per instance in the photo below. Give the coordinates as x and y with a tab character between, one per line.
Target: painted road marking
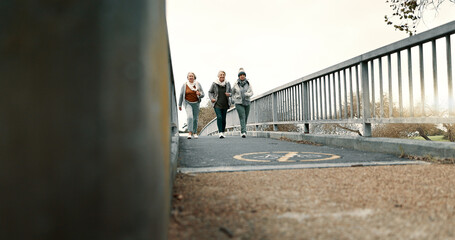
285	156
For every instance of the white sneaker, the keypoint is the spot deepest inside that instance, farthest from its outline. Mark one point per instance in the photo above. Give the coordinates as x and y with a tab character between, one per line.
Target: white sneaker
195	136
189	136
243	135
221	135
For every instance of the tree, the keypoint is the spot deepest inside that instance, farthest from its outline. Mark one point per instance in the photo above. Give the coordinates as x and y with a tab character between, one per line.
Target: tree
450	133
409	13
206	114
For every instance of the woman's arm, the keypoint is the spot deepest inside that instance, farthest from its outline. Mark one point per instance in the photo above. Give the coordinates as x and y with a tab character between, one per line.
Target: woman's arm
249	92
212	93
181	95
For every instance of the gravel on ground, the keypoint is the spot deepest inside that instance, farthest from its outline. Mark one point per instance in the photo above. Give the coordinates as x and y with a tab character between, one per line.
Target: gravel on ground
386	202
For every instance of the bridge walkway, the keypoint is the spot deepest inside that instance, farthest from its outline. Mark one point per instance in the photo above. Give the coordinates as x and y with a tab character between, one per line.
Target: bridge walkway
233	153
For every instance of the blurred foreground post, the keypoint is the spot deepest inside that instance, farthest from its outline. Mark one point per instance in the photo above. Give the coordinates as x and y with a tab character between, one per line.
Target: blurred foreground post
84	119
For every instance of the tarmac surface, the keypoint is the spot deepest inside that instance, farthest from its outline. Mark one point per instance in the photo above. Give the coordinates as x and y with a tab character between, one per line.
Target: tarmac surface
233	153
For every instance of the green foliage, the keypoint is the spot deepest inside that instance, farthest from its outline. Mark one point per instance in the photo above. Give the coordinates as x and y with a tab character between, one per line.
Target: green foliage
408	13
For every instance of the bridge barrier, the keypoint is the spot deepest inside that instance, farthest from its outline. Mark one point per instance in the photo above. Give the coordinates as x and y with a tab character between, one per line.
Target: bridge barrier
88	120
360	90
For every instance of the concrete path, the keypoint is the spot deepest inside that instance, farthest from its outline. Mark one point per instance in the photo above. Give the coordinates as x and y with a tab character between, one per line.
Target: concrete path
233	153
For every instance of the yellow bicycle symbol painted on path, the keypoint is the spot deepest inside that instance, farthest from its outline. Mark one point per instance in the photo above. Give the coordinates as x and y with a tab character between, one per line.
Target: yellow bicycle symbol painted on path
285	156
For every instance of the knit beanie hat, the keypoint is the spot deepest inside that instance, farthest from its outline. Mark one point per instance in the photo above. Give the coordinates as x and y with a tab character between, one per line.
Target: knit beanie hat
241	72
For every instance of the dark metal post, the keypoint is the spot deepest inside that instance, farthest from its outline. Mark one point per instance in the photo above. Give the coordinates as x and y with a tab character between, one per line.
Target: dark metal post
84	120
366	99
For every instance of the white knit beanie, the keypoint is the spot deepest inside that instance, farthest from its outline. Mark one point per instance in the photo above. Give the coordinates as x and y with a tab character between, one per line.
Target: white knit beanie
241	72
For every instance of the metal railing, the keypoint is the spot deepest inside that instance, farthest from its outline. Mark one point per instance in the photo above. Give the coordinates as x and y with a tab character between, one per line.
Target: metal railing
368	89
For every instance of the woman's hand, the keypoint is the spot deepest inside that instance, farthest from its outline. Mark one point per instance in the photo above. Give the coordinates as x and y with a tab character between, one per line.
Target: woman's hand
180	108
213	100
198	93
227	94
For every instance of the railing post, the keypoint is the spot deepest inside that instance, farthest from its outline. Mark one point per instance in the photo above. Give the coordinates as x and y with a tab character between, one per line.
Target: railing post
274	111
366	99
305	103
256	117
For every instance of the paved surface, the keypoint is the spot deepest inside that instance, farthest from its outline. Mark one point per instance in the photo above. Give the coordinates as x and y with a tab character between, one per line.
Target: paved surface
211	154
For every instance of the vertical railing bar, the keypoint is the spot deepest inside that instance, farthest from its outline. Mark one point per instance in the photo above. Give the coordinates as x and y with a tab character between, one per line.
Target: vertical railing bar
422	79
334	96
317	83
335	115
320	99
296	103
352	93
313	98
277	95
286	105
324	90
345	95
435	76
400	87
411	87
283	118
300	96
283	105
329	89
389	63
381	89
339	97
316	98
279	105
372	88
357	89
303	100
296	106
291	104
306	102
449	74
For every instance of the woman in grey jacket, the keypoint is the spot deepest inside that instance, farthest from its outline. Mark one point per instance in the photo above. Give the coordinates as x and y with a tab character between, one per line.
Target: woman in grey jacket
241	95
190	96
219	94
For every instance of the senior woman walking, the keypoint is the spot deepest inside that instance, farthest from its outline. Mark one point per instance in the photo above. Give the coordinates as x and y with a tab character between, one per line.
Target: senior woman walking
241	95
190	96
219	94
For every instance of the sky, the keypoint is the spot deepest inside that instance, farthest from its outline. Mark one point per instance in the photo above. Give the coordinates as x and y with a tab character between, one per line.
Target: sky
277	41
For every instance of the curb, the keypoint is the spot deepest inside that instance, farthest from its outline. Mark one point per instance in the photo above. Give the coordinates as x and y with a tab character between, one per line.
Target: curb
368	144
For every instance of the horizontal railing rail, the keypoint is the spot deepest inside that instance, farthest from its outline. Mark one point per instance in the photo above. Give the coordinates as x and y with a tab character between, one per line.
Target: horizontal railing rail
409	81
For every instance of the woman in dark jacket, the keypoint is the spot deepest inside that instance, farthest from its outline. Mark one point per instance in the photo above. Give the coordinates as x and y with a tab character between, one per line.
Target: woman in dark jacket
219	94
